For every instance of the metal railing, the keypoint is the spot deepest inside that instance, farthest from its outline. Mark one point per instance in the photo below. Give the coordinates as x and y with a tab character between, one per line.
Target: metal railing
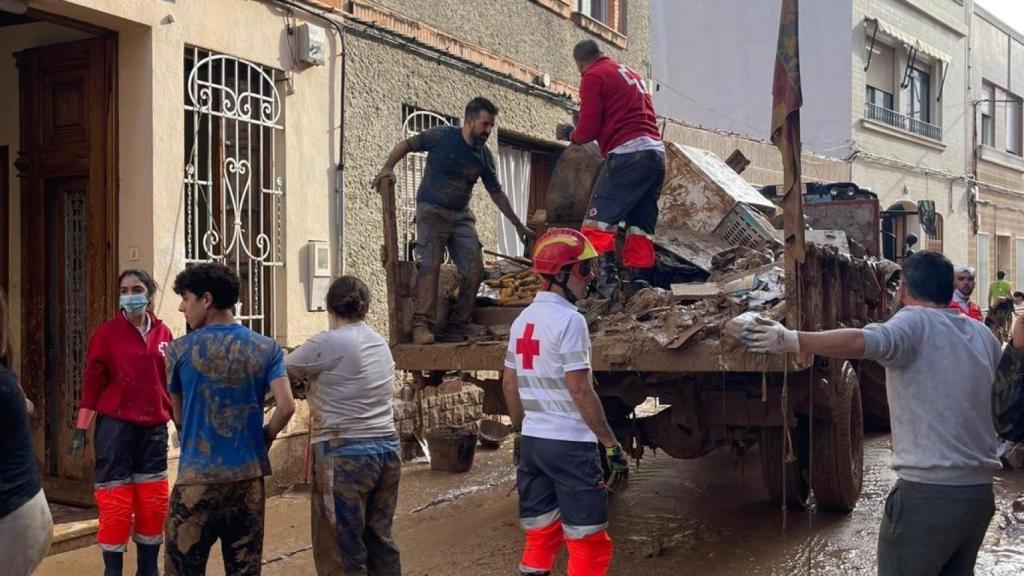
902	122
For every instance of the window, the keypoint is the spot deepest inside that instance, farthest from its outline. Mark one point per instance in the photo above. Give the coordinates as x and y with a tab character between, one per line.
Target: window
1013	124
920	89
982	276
234	202
988	123
611	13
877	97
880	75
410	172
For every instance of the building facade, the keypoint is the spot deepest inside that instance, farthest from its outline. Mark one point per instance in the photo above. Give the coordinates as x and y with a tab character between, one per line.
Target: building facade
161	133
885	86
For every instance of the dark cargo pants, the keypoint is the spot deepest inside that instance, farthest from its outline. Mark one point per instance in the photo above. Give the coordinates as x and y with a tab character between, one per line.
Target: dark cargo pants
438	229
933	530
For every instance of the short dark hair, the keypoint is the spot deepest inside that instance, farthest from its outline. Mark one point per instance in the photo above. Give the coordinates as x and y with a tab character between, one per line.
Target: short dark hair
929	277
1018	293
1001	274
586	50
143	277
348	298
220	281
480	104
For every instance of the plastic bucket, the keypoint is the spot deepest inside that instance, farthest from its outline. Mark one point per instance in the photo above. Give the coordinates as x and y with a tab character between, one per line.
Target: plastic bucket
451	449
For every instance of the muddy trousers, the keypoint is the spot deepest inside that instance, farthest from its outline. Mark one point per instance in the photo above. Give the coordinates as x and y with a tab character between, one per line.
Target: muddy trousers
933	530
355	493
562	501
25	536
439	230
627	191
201	514
131	491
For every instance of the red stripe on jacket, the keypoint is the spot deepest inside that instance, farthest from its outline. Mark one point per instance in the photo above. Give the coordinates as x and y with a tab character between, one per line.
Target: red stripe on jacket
124	375
614	106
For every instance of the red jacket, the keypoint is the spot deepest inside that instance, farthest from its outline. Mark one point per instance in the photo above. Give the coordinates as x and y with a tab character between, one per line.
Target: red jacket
973	310
614	106
124	375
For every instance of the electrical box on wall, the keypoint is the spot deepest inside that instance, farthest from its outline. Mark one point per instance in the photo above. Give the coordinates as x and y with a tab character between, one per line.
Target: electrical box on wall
312	44
319	271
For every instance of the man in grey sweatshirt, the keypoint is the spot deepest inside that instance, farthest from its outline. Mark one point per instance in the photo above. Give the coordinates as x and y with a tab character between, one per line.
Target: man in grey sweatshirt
940	366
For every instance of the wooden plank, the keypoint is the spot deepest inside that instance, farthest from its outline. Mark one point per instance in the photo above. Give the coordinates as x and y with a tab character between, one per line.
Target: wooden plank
698	357
386	188
696	291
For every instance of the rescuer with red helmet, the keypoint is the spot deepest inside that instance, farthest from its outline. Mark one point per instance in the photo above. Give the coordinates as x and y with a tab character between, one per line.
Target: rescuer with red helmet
551	399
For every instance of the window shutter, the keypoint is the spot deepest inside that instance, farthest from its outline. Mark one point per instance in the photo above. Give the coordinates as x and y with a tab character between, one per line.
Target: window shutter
880	73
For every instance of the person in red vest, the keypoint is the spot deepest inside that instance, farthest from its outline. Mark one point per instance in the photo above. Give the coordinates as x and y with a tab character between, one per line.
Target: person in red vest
963	283
616	111
125	383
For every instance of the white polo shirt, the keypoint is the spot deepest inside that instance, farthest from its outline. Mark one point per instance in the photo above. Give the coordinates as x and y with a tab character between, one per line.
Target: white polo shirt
547	340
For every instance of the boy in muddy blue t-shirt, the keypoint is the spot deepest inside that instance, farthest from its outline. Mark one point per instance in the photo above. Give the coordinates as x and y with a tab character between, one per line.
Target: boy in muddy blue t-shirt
218	376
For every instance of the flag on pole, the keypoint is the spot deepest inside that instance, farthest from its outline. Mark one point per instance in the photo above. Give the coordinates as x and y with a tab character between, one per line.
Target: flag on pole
786	101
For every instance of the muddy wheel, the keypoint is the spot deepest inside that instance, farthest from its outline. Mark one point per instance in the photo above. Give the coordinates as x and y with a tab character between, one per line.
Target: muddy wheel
838	463
772	464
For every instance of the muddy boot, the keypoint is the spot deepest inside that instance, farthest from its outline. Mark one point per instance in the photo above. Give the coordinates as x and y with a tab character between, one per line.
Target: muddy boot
422	335
148	555
463	332
607	282
113	563
638	280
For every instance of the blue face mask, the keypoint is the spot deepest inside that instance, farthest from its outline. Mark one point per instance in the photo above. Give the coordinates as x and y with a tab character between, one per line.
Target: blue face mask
134	304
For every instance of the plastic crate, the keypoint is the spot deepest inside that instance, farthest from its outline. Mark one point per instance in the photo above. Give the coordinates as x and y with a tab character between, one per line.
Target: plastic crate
743	226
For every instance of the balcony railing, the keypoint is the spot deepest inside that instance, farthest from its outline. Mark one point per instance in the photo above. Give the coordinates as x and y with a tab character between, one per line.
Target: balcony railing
902	122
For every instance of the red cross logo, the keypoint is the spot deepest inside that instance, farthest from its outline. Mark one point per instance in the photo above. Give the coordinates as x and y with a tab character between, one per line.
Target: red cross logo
528	347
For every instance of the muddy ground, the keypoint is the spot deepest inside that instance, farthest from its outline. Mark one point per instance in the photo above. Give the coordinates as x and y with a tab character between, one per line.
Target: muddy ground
706	517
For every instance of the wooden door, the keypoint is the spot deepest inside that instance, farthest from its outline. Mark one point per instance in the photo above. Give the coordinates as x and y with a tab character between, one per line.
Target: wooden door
68	215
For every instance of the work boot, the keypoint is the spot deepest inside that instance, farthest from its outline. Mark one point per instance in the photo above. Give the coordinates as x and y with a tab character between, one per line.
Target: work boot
606	285
422	335
639	278
113	563
147	560
463	332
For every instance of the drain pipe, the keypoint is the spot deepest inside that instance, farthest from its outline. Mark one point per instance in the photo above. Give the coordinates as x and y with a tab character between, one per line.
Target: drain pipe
339	170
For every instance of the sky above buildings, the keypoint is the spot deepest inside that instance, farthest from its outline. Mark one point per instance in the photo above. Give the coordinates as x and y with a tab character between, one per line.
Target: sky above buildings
1009	11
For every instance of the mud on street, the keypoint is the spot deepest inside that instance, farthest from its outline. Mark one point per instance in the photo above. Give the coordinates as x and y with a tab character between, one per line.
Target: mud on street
707	516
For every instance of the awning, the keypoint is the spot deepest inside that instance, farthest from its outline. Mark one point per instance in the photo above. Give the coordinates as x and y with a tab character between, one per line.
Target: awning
907	39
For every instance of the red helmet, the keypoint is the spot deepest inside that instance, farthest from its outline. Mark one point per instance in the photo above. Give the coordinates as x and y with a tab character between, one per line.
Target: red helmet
561	247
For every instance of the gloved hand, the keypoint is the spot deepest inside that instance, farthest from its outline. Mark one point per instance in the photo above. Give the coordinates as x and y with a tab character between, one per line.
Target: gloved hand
526	235
77	443
619	466
563	132
769	337
517	438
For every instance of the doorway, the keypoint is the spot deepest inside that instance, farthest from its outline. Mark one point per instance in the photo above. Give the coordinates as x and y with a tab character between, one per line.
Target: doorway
68	217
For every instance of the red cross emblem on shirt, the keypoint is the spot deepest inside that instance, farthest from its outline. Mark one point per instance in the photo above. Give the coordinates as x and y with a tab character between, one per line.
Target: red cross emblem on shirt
527	347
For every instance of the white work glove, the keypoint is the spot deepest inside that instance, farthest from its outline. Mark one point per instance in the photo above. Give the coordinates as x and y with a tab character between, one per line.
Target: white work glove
765	336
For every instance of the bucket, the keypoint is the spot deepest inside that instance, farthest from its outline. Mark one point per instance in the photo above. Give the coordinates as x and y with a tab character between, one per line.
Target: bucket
493	433
451	449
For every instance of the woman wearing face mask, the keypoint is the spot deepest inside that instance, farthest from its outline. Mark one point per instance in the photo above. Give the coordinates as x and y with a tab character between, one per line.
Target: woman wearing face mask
125	383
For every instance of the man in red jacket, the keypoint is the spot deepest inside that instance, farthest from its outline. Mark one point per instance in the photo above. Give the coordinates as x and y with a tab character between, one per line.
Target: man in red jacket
616	110
125	382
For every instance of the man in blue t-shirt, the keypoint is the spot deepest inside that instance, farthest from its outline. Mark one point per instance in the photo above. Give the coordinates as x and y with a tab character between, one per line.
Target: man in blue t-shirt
218	376
456	159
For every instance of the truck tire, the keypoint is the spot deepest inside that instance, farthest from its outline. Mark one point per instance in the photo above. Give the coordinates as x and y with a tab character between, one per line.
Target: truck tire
772	464
838	463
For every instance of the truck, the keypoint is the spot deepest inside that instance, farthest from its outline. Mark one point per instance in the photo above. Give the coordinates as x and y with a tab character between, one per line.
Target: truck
669	374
